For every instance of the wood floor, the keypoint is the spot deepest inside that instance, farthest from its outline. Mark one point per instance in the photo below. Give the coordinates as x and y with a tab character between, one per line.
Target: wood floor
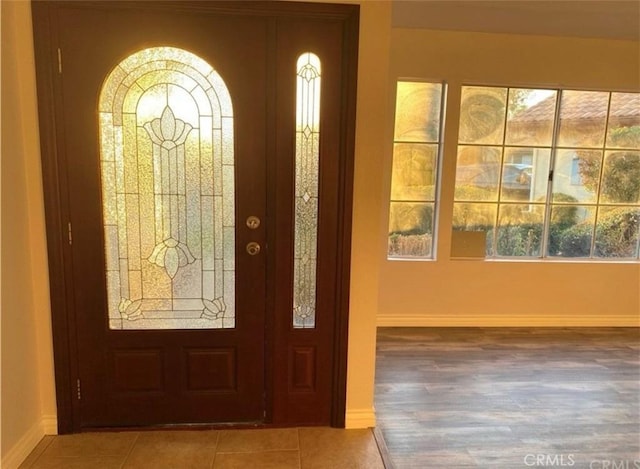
509	397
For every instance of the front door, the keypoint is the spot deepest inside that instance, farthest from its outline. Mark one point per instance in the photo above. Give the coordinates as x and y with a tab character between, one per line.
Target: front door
202	197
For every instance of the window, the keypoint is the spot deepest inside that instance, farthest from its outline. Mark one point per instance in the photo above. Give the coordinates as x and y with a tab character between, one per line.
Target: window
167	164
307	163
549	173
416	156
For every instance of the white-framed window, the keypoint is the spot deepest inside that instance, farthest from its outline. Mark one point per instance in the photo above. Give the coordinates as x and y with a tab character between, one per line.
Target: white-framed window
549	173
417	145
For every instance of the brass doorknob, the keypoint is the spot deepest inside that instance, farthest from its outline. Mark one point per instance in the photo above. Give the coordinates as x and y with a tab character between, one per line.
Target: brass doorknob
253	248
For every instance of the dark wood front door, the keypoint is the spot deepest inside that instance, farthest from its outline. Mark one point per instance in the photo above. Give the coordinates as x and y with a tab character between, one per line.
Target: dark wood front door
171	139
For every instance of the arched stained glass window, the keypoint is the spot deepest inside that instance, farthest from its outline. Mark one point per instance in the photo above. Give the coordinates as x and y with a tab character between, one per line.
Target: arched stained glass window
167	164
306	190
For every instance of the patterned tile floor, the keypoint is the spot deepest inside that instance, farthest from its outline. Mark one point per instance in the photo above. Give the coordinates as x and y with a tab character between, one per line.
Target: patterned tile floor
288	448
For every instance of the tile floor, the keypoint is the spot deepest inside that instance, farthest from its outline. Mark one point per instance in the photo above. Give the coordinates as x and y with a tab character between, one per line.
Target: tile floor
286	448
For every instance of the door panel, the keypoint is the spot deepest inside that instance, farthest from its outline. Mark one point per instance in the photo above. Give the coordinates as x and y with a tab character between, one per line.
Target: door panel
149	372
306	381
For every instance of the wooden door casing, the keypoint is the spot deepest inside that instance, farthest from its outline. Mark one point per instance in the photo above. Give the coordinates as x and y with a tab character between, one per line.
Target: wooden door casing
304	381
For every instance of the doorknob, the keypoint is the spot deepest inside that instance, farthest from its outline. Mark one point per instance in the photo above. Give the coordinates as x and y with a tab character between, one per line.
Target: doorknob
253	248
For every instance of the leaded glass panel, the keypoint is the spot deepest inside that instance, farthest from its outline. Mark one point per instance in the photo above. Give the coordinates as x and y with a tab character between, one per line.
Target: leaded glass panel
307	156
166	134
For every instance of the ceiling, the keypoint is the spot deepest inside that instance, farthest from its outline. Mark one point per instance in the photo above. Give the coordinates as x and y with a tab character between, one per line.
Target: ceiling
610	19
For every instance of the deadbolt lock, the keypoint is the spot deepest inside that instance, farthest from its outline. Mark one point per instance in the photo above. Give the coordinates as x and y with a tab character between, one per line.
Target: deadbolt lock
253	248
253	222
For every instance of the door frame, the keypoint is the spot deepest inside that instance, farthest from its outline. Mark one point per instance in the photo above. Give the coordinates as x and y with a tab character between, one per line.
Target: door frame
57	216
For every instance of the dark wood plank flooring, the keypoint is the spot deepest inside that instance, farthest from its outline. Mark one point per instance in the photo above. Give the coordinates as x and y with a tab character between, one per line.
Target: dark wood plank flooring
509	397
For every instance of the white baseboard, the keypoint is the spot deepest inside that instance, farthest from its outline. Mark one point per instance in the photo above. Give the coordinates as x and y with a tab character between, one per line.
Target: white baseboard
360	418
16	455
50	424
516	320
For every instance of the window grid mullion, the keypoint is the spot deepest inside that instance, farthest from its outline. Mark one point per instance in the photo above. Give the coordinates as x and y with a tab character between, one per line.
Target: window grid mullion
416	142
546	221
599	194
638	245
435	214
494	241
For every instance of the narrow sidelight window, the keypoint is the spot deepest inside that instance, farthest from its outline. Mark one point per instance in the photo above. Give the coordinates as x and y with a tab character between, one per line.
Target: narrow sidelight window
307	161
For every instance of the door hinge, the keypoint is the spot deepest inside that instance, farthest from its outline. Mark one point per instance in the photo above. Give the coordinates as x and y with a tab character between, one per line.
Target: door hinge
264	408
79	395
551	175
59	60
69	233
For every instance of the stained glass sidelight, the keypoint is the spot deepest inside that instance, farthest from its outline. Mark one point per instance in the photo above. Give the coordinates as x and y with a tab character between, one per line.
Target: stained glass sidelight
306	190
167	164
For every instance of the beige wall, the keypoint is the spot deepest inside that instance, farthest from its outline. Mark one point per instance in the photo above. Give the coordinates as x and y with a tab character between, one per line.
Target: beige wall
28	399
372	135
458	292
